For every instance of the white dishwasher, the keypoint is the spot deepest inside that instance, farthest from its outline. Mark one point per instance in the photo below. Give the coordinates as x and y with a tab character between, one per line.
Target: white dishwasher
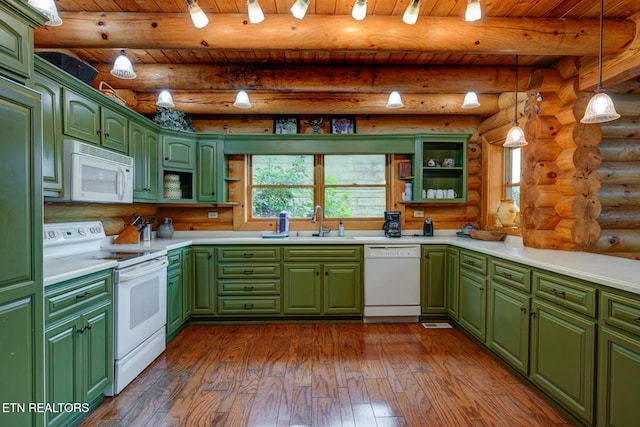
391	283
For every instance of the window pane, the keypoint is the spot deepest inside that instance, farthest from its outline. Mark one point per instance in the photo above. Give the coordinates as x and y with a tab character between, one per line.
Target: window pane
282	170
354	202
515	166
268	202
354	169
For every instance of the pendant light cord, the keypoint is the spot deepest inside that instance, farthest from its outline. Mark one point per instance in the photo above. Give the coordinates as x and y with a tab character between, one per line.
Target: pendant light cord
515	99
600	87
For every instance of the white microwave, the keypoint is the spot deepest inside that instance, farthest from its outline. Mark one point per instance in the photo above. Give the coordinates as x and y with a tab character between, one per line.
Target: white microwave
95	175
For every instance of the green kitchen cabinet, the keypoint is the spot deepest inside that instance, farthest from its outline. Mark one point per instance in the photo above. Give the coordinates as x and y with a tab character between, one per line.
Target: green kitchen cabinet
78	343
179	152
563	356
302	288
433	272
87	120
21	283
52	153
453	281
342	288
144	148
208	156
178	290
203	299
187	284
174	301
508	325
472	312
17	22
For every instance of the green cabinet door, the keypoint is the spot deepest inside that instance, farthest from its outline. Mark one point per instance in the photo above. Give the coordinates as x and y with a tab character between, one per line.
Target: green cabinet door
563	357
114	130
50	92
186	284
81	117
174	301
342	288
179	152
17	21
97	351
207	171
453	281
618	378
433	276
302	288
203	297
473	303
508	325
143	147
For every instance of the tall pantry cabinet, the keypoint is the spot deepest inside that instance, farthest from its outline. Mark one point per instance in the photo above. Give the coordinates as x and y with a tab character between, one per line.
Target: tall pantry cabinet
21	286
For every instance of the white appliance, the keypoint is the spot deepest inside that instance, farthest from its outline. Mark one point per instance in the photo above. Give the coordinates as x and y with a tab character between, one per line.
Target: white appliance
139	293
391	283
93	174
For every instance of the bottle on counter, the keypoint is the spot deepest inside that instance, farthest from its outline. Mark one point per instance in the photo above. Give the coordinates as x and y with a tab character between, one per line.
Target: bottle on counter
341	229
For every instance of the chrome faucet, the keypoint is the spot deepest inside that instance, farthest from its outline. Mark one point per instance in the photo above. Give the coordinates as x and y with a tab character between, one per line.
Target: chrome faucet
321	231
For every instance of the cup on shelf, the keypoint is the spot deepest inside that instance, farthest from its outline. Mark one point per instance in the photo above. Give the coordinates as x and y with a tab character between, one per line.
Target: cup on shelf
431	193
433	163
451	194
424	193
439	193
448	163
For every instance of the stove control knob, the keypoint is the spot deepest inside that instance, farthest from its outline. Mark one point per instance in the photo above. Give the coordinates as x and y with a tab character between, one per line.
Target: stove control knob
82	232
52	234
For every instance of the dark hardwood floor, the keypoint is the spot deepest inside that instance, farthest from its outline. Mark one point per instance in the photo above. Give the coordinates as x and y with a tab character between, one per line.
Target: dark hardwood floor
328	374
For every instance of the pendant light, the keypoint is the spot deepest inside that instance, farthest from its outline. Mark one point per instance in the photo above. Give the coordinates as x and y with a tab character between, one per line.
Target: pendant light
255	12
395	100
359	10
198	17
165	100
242	100
411	14
600	108
515	136
122	67
473	12
299	8
470	101
48	9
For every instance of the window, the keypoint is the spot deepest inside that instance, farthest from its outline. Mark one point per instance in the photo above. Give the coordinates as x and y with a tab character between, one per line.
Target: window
512	174
345	185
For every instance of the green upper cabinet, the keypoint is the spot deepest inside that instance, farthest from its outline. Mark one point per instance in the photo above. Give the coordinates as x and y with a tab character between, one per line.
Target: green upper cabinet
143	147
179	152
17	21
52	135
87	120
433	275
207	170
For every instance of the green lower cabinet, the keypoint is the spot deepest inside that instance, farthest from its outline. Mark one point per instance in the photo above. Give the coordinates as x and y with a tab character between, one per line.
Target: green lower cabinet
203	296
433	275
174	301
619	377
302	288
563	357
453	282
473	303
248	305
186	284
508	325
342	288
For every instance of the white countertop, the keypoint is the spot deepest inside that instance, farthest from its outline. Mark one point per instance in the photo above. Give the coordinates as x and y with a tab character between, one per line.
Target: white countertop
56	270
615	272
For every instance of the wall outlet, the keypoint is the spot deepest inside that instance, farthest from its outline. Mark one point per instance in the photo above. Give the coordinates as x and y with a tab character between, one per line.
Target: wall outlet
212	214
418	214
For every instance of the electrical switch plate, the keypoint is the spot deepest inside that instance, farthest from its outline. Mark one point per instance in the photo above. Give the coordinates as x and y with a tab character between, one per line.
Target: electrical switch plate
418	214
212	214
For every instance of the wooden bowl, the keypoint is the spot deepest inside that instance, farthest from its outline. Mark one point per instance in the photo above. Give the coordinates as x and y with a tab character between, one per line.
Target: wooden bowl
488	235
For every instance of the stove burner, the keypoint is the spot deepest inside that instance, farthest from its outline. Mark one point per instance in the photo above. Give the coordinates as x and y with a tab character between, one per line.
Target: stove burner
112	255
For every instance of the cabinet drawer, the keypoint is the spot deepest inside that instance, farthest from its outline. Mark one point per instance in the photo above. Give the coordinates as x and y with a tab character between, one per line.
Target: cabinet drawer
315	253
248	287
238	253
71	296
175	259
621	312
473	261
264	271
566	292
510	274
244	305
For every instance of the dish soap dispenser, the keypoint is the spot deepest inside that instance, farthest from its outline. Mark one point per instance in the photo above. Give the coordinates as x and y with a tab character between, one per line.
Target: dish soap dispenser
341	229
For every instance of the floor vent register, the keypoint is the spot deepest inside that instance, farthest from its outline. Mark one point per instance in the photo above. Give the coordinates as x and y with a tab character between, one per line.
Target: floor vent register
442	325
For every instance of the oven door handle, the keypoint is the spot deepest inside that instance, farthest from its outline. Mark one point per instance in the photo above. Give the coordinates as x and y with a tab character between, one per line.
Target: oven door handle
142	270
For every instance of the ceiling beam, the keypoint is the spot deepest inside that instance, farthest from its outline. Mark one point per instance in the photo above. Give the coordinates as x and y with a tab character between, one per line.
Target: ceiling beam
221	102
318	78
336	33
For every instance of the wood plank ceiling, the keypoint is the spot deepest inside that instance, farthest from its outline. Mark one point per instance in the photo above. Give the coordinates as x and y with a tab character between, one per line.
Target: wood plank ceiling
329	59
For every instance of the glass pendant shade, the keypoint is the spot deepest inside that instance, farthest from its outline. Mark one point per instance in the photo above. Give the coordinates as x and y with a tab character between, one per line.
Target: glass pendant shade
122	67
395	101
48	9
473	12
600	109
165	100
299	8
515	138
242	100
198	17
411	14
470	101
359	10
255	12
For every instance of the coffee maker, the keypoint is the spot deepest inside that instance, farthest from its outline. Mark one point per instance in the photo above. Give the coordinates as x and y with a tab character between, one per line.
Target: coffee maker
391	225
